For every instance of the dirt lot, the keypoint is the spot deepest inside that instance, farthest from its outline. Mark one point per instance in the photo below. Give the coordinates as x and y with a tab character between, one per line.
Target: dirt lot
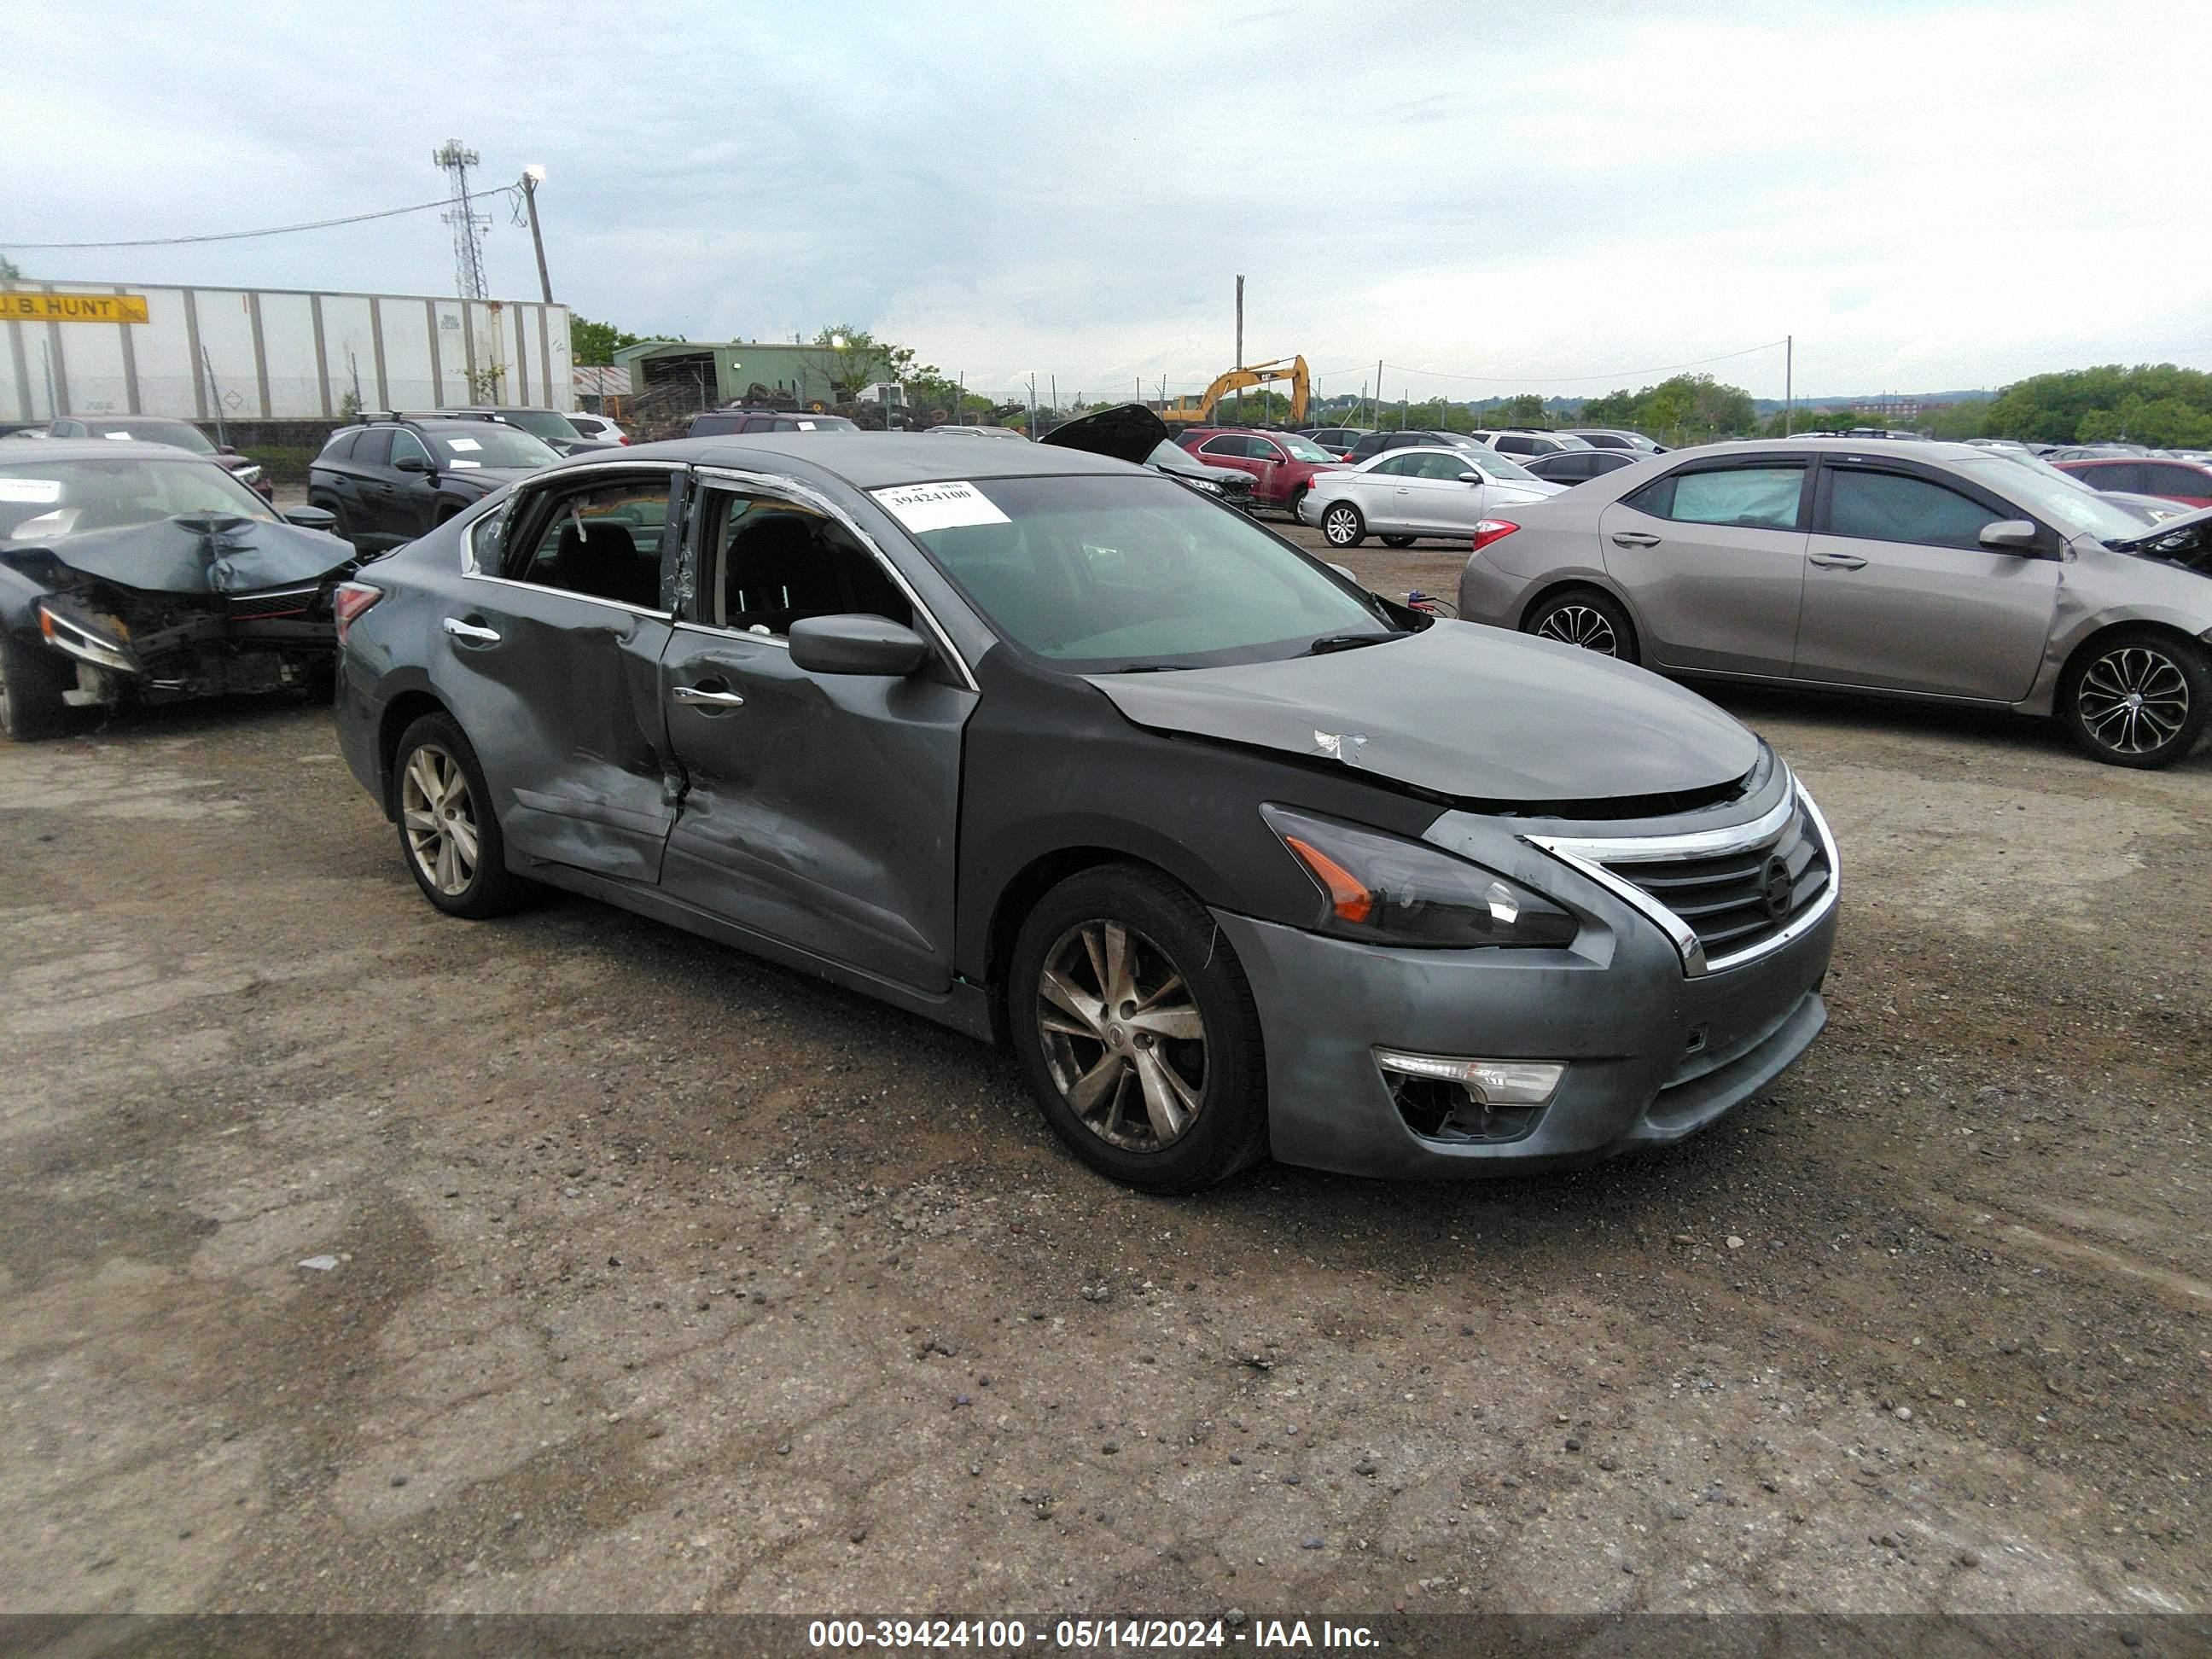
666	1279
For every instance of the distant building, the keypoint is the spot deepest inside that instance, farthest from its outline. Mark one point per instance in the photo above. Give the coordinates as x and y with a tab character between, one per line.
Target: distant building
732	371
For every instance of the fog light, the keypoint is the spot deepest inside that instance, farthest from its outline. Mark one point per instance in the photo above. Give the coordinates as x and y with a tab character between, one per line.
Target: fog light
1468	1101
1493	1082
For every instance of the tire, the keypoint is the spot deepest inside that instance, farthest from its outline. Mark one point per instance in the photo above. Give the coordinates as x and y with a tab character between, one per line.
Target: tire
1296	501
342	527
1174	1113
1342	525
1588	618
2136	697
32	681
1397	541
471	888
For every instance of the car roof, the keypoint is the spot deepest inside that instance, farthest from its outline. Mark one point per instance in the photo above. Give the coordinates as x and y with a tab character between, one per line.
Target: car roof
96	449
867	460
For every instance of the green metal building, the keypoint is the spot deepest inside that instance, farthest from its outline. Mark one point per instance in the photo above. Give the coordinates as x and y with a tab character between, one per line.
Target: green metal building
732	371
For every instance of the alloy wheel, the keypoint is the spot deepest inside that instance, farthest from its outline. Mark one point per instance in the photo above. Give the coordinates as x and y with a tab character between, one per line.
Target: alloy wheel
2133	700
1341	525
1122	1036
441	819
1579	624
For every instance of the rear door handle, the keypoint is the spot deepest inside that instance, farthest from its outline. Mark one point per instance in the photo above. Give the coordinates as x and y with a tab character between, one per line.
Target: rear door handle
705	697
1838	562
1633	538
474	633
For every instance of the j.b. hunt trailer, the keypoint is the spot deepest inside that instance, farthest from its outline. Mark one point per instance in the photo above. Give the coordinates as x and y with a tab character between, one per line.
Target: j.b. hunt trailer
203	354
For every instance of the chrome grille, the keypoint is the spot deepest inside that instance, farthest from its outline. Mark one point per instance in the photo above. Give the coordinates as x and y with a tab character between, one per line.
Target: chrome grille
1724	896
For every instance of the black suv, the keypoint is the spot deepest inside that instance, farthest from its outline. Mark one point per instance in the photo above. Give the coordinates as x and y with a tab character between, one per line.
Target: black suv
746	417
389	480
548	426
1375	442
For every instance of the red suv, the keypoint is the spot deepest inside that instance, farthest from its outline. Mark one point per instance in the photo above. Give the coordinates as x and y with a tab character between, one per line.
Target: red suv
2149	475
1282	463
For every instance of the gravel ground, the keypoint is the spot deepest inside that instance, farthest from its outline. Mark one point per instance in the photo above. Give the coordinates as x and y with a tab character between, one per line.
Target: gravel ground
352	1258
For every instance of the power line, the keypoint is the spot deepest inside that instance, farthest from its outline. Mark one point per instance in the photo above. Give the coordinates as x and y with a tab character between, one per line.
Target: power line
1561	379
275	230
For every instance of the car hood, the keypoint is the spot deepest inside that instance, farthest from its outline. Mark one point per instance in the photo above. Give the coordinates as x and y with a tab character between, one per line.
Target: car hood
1472	713
195	553
1127	432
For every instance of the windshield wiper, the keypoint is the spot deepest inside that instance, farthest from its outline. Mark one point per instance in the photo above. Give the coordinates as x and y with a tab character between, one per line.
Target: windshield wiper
1149	668
1328	642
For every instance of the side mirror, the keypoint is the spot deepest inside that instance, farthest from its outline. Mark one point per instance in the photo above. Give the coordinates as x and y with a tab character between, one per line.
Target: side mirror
2010	535
226	449
413	464
312	518
1470	478
856	644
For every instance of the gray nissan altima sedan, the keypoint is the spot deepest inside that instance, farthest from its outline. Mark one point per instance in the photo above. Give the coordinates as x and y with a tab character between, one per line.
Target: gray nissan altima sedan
1927	570
1237	858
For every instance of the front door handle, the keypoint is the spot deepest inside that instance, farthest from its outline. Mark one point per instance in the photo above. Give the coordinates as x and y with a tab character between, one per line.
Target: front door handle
1633	538
474	633
1838	562
706	696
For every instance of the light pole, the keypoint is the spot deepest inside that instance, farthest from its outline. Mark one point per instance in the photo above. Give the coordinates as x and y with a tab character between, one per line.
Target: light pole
533	176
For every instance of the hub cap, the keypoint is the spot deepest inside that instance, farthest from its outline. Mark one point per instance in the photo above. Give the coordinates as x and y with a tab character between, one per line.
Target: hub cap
1578	624
1342	525
440	817
2134	700
1123	1039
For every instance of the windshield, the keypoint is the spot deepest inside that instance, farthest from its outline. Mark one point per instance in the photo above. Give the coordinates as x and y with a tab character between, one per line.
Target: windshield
1105	574
1302	449
176	434
2072	510
491	445
1492	464
41	500
543	423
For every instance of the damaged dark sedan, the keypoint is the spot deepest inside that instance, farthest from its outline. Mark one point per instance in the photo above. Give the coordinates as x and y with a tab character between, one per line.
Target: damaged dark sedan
150	575
1239	859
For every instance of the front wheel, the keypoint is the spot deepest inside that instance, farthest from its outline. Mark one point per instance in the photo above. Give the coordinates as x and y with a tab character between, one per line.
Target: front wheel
32	682
448	833
1587	618
2137	698
1136	1031
1341	525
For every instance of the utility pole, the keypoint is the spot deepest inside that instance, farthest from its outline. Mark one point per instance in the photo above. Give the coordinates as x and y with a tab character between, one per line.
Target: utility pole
1055	379
1789	382
532	177
1240	344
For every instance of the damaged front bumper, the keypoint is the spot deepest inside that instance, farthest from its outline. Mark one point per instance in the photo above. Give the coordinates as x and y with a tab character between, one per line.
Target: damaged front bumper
1647	1053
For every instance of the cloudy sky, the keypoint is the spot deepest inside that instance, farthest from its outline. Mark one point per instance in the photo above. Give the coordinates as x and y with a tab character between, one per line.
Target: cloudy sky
1487	198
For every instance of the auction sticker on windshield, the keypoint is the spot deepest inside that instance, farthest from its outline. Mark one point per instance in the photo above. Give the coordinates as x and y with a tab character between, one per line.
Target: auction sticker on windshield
923	507
35	492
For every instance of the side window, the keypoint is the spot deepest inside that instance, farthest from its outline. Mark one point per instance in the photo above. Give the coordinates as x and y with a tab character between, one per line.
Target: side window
340	447
2114	474
1260	449
405	443
602	542
1227	444
775	562
1511	443
2179	481
1888	507
373	446
1758	497
1445	467
1398	466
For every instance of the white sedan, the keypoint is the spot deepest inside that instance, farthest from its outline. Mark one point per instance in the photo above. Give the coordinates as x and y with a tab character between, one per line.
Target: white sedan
1403	494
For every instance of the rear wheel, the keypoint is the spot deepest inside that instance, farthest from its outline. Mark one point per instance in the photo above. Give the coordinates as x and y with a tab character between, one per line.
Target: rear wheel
1585	617
1397	541
341	525
448	833
2136	698
1341	525
1137	1032
32	681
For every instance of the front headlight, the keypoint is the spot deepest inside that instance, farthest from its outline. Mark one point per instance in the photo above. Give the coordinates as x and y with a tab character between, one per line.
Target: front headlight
83	637
1387	890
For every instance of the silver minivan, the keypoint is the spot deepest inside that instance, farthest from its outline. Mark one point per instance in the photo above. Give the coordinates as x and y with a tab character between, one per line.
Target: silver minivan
1929	570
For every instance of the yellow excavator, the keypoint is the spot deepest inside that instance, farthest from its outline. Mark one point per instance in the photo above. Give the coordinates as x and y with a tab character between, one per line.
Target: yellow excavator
1199	411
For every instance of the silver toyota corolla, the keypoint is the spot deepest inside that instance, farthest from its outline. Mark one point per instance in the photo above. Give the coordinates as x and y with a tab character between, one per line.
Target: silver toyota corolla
1940	571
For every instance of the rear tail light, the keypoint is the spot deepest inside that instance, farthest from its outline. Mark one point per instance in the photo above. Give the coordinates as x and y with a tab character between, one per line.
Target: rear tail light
349	601
1487	530
625	438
